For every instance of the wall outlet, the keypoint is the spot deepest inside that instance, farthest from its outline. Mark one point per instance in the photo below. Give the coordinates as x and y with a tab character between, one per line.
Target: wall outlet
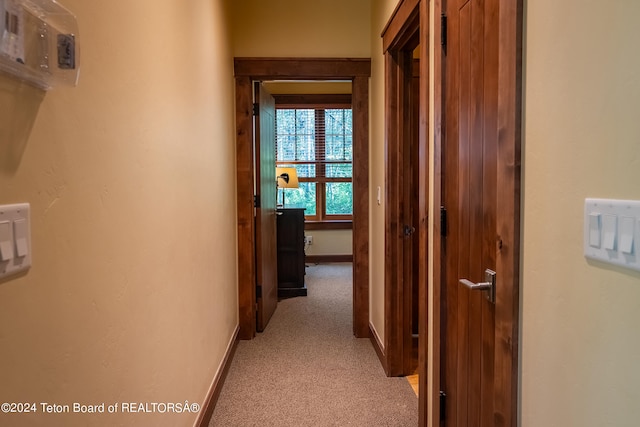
309	240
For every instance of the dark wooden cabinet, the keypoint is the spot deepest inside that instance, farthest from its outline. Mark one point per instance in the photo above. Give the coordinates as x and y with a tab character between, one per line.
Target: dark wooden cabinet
290	224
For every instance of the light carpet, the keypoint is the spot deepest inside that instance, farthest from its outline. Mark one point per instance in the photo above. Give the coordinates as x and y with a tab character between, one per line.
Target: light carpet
307	369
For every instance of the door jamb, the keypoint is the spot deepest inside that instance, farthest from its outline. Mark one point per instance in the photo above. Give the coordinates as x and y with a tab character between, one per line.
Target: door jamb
509	196
400	37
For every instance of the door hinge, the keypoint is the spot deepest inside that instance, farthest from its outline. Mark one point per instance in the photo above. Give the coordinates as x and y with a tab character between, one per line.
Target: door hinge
443	32
256	201
256	109
443	406
443	221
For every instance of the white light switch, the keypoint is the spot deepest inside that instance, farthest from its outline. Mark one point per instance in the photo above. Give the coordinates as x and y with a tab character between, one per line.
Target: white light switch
627	230
21	234
15	239
594	229
611	231
6	248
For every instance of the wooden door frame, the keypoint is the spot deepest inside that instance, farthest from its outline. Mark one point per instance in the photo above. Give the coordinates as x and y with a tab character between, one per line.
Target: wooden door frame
247	70
508	219
509	121
400	37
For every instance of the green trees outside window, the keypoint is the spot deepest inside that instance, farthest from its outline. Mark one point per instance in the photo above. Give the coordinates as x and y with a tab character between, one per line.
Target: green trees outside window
318	142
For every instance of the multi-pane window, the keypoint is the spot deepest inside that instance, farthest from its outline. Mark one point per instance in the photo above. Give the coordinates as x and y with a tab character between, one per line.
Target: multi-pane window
318	142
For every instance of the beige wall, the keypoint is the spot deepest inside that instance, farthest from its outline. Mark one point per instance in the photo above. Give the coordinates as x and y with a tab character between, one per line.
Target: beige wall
380	14
580	344
132	295
330	242
293	28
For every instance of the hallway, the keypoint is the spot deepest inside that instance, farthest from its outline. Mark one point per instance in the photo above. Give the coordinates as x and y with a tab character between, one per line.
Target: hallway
307	369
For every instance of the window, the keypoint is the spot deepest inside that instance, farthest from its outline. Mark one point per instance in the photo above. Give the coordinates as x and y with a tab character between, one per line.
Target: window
318	142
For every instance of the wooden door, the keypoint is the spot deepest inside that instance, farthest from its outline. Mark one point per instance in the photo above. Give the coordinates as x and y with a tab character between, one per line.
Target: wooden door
265	190
411	213
480	193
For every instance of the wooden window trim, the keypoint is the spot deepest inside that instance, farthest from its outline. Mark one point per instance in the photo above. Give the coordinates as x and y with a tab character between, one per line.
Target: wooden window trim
316	102
328	100
331	224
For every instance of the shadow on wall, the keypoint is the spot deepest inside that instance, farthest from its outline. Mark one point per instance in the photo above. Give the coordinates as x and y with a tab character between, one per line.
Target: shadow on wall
19	105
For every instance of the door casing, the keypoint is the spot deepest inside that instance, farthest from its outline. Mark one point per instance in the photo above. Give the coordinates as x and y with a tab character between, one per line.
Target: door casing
247	70
400	38
509	116
430	197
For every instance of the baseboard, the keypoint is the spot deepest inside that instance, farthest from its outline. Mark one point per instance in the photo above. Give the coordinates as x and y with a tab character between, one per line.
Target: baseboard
316	259
206	412
378	347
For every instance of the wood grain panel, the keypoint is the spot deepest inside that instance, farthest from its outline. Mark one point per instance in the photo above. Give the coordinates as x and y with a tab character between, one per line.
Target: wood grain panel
450	201
508	221
360	93
481	193
246	230
431	351
393	299
302	68
339	100
489	191
402	25
265	178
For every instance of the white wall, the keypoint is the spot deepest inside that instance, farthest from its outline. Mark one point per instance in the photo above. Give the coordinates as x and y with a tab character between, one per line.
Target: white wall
131	178
580	344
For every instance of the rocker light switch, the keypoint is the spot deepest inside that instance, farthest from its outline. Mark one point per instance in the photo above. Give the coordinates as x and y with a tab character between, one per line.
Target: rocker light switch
627	230
6	249
21	234
594	229
15	239
610	230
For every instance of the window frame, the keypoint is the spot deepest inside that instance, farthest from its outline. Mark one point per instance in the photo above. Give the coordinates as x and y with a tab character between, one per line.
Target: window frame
317	102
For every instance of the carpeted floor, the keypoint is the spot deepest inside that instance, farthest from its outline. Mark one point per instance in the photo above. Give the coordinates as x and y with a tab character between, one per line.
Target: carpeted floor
307	369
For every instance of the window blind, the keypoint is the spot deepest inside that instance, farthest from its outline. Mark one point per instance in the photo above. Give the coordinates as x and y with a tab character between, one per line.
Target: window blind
317	141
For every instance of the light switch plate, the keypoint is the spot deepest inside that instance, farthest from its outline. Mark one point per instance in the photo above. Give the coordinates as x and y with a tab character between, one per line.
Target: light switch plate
18	218
617	229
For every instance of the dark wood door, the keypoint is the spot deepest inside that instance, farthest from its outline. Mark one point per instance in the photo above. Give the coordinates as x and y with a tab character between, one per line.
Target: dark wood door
265	187
411	216
479	334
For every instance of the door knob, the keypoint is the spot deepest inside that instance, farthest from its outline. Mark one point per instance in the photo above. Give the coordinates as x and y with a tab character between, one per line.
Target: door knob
488	285
409	230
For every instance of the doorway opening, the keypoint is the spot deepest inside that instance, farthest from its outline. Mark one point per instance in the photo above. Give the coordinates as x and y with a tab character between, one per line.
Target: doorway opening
406	189
248	70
